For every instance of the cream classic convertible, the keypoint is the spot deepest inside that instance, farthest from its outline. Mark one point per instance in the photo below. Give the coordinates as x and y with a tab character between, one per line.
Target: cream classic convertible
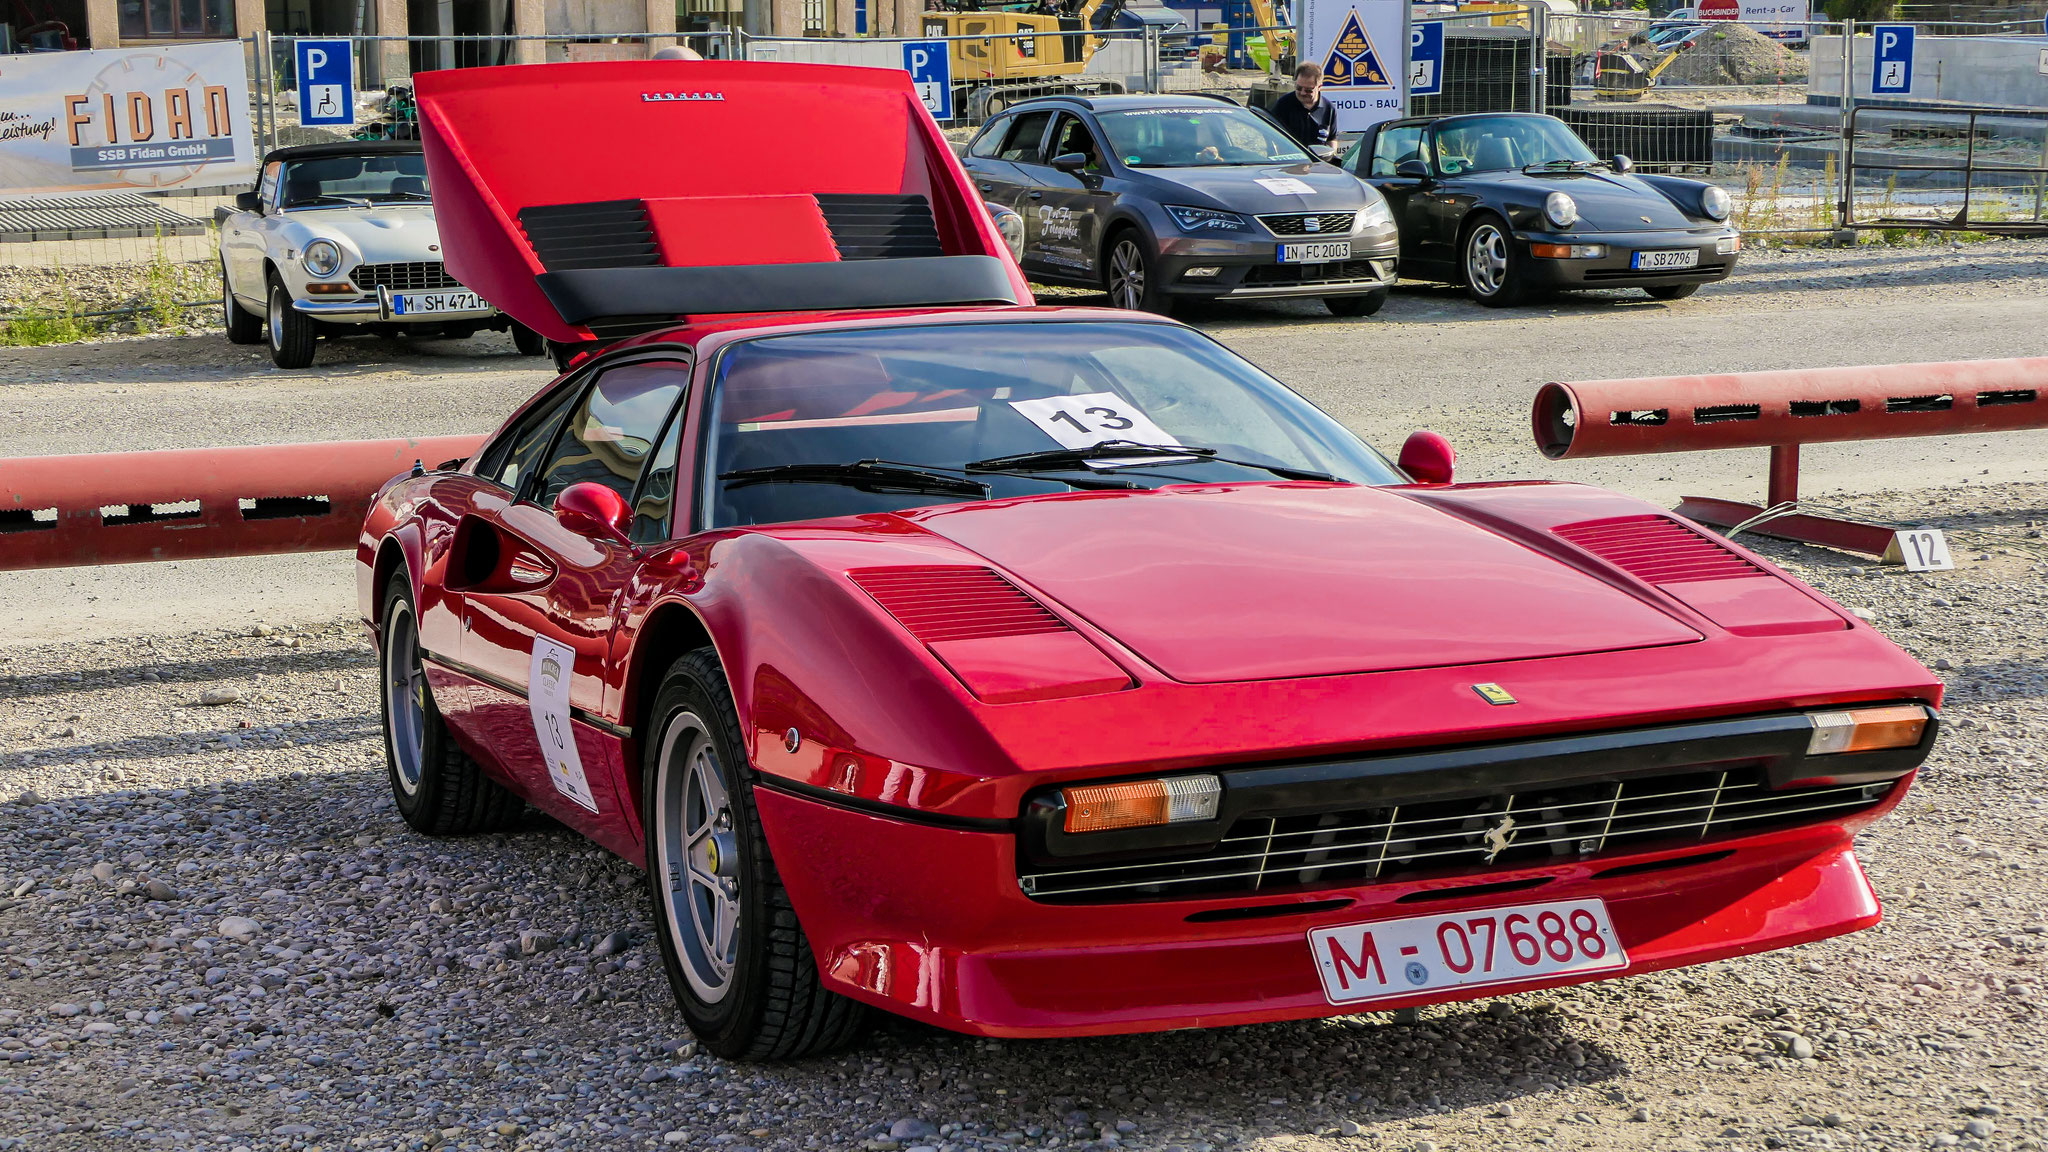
338	239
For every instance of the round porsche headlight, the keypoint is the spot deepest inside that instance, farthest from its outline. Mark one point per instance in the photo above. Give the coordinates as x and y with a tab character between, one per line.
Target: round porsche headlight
1561	210
322	258
1011	226
1716	201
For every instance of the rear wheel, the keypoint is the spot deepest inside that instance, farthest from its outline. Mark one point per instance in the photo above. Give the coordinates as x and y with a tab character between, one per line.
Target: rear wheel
1363	305
291	331
529	342
244	326
1672	291
1493	273
1129	276
440	791
742	972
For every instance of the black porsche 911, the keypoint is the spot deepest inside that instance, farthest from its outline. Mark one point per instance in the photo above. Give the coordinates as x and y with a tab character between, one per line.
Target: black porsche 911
1510	204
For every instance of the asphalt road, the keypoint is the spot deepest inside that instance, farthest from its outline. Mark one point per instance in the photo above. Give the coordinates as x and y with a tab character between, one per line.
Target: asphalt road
1430	359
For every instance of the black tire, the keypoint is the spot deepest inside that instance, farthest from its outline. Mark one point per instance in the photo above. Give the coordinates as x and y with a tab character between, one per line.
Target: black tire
291	331
439	789
1130	275
755	993
1672	291
529	342
1364	305
244	326
1487	262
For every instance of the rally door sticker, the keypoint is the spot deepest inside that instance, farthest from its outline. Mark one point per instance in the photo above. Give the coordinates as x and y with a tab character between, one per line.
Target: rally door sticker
548	699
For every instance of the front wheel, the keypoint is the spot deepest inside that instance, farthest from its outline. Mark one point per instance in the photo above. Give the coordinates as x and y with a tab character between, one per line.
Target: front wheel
1362	305
244	326
1130	278
1672	291
737	960
291	331
1493	273
527	341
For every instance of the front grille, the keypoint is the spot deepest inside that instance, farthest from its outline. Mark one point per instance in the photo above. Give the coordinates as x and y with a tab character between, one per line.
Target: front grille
1297	223
416	276
1339	273
1553	824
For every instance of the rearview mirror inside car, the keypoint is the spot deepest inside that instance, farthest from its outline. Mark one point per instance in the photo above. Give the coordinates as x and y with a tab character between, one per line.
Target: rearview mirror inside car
592	510
1070	161
248	201
1412	170
1427	457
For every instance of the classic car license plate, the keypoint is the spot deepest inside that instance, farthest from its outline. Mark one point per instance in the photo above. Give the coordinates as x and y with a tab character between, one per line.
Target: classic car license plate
1318	253
1360	963
1667	258
418	303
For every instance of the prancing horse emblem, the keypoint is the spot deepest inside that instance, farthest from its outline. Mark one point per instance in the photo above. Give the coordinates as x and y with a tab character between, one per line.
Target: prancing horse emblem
1499	837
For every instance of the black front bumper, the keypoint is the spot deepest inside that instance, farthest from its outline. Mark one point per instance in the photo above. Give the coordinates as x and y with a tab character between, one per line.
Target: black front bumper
1615	270
1251	270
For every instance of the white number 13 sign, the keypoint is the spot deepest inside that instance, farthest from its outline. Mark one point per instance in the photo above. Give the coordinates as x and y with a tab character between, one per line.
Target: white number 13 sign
1088	419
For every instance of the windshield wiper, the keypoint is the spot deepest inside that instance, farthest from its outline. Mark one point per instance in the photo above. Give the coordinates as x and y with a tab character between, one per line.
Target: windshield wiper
866	475
1060	459
303	201
1562	165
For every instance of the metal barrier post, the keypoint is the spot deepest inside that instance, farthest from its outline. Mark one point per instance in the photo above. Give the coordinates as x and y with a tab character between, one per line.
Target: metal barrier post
1539	44
1848	200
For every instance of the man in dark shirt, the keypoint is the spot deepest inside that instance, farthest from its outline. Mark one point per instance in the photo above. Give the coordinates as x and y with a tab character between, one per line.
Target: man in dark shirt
1306	116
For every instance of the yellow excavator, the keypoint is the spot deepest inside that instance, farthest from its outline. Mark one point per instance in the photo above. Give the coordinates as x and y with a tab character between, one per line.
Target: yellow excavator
1005	52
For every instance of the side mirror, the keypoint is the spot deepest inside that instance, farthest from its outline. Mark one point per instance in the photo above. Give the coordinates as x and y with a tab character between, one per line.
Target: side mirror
1070	161
593	510
1427	457
1623	164
1412	170
248	201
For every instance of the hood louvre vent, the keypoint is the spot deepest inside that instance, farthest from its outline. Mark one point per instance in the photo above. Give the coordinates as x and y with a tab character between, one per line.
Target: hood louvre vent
880	227
599	234
955	602
1658	549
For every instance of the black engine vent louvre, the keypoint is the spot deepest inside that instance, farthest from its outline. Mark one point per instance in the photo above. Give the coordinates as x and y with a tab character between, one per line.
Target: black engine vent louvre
881	227
600	234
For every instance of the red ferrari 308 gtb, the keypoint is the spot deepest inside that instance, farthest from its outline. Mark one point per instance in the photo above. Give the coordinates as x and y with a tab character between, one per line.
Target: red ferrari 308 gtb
1052	671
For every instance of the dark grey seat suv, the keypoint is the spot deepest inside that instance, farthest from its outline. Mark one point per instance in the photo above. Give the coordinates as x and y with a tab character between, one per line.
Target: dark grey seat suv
1163	198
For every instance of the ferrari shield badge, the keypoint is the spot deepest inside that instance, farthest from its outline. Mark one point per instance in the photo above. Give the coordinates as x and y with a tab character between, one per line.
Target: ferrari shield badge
547	697
1494	694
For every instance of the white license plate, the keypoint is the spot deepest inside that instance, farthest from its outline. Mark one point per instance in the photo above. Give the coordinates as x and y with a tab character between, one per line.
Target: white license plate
1390	959
1666	258
421	303
1319	253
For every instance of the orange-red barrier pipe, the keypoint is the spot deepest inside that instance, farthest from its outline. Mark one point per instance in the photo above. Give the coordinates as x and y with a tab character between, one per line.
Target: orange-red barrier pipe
1803	406
192	503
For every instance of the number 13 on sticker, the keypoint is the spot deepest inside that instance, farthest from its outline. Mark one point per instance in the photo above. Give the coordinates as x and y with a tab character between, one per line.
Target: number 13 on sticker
1088	419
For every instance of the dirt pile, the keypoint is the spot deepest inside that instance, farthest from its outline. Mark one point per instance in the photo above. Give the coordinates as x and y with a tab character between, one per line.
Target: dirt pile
1735	54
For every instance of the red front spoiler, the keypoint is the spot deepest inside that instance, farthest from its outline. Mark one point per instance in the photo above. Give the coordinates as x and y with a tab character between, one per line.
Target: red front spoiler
930	923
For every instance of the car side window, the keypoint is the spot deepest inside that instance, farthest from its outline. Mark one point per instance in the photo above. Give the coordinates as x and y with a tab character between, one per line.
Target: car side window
1022	146
990	142
266	189
1393	146
610	434
510	459
1071	134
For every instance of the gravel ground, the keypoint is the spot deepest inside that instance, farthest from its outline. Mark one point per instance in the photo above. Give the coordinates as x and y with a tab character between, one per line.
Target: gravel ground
215	932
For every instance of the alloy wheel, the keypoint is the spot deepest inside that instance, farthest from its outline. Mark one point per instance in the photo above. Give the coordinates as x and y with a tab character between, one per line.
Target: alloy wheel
274	322
1126	275
699	856
405	697
1486	260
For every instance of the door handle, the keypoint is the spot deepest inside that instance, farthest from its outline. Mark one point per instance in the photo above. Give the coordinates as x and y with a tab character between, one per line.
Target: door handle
1037	195
988	187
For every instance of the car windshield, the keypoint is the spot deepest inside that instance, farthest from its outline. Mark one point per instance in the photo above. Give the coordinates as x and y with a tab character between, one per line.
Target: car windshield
1505	143
1207	137
873	420
386	177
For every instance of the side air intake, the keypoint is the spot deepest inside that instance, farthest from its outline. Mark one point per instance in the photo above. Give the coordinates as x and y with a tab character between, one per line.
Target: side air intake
938	604
1658	549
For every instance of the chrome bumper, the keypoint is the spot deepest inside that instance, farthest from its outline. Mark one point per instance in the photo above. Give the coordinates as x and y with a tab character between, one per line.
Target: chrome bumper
379	310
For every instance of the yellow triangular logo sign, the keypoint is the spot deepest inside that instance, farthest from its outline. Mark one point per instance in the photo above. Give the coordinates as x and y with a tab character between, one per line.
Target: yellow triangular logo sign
1353	62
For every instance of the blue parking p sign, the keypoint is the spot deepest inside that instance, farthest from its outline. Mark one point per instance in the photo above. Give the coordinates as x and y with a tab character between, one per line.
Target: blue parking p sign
1426	58
327	81
1893	71
931	71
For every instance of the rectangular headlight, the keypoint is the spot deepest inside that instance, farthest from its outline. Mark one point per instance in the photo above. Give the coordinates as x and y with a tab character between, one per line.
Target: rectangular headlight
1141	803
1866	729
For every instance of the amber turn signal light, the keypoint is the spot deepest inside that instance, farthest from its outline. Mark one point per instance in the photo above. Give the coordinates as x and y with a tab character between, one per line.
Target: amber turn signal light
1141	803
1867	729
